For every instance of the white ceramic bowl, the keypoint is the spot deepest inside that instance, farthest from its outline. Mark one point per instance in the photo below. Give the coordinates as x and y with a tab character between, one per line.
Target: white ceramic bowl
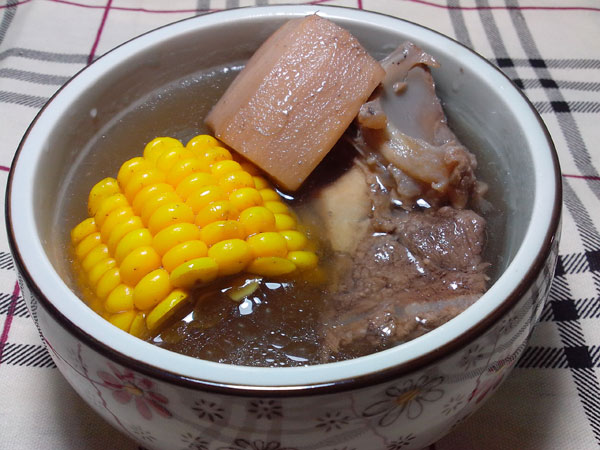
407	396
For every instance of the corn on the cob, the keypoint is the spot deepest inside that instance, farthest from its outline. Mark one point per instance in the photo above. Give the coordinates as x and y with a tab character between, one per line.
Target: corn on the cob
175	218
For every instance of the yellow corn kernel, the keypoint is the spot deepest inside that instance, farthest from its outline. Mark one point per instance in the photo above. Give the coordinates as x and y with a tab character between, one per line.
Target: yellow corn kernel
101	190
138	326
82	230
173	235
169	157
107	282
193	272
122	320
138	264
221	230
132	240
155	148
231	255
100	269
183	168
284	222
116	217
221	210
224	167
269	195
120	299
257	219
87	244
260	183
245	289
245	197
202	142
270	243
165	309
205	196
294	240
151	289
277	207
141	179
168	215
236	180
120	230
95	255
181	253
303	260
194	182
271	266
155	202
129	168
107	206
212	155
142	197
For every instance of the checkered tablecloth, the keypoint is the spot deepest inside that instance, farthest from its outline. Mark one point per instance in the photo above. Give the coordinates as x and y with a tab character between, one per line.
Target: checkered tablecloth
550	48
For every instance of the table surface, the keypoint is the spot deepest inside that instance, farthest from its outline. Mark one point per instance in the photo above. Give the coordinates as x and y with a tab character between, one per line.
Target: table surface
550	48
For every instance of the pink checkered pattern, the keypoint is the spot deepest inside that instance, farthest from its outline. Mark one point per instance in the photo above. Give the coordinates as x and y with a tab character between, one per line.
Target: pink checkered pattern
550	48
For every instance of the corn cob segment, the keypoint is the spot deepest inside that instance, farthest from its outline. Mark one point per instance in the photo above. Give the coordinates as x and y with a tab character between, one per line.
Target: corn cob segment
176	218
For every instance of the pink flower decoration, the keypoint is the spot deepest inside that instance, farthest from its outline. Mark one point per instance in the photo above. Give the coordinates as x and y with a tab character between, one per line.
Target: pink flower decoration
126	386
485	387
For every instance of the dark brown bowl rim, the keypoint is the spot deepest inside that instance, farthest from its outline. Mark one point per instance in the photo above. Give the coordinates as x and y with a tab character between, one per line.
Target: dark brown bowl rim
334	386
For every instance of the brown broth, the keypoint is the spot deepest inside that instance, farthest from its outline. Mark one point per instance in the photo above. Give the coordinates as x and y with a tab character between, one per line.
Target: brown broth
272	327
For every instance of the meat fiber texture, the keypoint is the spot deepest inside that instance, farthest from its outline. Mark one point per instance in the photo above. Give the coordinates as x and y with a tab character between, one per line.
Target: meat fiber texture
295	98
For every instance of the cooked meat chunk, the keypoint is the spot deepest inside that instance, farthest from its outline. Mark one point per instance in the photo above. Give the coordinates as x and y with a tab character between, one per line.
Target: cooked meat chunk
421	263
404	123
448	238
402	284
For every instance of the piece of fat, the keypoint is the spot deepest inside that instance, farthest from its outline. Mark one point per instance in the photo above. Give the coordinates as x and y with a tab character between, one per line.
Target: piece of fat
344	207
295	98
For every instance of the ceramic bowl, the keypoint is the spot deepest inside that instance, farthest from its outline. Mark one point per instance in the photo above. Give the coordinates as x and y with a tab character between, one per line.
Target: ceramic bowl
405	397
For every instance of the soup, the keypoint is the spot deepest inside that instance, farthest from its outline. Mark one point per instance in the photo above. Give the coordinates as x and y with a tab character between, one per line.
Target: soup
406	265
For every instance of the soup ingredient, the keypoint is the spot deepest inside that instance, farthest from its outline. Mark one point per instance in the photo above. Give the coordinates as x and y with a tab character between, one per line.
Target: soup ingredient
343	224
295	98
176	218
406	282
418	263
405	123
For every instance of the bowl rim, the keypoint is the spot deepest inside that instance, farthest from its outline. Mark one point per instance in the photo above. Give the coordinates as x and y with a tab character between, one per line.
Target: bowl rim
362	379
